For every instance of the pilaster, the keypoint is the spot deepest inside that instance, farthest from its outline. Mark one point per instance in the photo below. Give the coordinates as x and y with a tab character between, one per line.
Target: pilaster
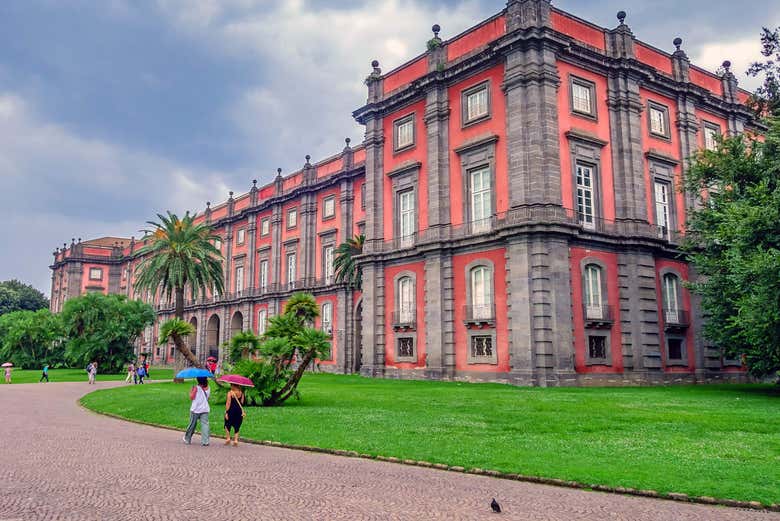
437	118
373	320
276	248
439	316
639	313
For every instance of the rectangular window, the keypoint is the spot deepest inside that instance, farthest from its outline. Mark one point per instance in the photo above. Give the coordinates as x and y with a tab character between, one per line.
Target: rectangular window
406	300
585	196
481	199
406	347
95	274
327	318
292	218
597	347
482	346
240	236
662	213
671	298
239	279
659	120
593	309
582	96
265	227
711	134
675	348
263	275
291	270
406	217
218	244
327	264
328	207
363	196
262	317
481	293
477	103
403	133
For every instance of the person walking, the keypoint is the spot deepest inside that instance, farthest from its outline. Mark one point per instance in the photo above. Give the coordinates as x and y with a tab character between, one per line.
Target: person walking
92	372
199	410
130	373
8	375
140	372
234	413
45	374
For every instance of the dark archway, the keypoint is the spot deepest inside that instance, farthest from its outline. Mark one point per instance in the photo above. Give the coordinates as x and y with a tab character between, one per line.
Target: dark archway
357	338
236	324
212	336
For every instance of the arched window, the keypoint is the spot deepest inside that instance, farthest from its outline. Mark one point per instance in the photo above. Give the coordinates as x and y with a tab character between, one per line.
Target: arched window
481	278
671	296
406	300
594	308
262	317
327	318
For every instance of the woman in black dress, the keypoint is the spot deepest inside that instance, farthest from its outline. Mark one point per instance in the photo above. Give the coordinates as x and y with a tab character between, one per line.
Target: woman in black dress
234	413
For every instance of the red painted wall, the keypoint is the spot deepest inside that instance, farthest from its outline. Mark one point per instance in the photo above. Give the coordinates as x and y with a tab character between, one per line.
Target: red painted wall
707	80
475	38
577	255
418	268
87	283
568	120
392	160
332	166
459	264
653	58
578	29
358	213
495	125
406	74
318	324
682	270
329	224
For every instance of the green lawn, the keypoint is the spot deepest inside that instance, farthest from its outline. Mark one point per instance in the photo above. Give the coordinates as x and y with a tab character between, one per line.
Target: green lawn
26	376
721	441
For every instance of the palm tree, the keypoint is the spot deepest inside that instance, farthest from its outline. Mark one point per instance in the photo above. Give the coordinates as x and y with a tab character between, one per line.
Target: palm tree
181	254
347	271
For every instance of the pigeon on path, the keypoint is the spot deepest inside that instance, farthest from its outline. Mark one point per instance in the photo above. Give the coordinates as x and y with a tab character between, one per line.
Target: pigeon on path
495	506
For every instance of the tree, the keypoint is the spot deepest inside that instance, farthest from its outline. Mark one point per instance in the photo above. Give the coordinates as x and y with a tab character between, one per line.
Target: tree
17	296
103	328
30	339
766	99
346	269
181	255
734	244
243	344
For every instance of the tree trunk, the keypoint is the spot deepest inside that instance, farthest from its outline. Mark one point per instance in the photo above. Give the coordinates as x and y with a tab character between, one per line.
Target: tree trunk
177	340
292	383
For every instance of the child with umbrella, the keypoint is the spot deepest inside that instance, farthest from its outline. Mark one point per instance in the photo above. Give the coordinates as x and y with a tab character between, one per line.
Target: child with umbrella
7	366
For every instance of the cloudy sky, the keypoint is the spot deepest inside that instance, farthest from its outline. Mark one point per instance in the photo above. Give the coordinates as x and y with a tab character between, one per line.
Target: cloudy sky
113	110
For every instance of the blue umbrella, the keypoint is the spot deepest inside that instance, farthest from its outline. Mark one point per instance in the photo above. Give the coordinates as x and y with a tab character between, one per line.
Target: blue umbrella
194	372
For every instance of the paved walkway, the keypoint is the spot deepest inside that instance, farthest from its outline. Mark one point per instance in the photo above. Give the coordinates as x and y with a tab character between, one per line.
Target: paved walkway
58	461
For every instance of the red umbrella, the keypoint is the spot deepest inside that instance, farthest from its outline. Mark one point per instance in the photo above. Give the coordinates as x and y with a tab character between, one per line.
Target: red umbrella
211	359
236	379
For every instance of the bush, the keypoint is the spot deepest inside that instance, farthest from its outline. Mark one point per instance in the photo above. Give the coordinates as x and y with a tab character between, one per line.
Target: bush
263	375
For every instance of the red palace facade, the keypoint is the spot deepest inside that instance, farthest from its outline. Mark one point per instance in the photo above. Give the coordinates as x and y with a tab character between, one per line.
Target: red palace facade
518	192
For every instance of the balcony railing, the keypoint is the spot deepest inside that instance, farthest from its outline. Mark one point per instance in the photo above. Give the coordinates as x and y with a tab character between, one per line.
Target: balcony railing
676	319
480	314
404	319
598	315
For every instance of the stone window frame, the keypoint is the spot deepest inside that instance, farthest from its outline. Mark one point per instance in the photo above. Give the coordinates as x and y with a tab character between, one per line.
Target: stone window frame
290	248
663	172
262	323
591	86
403	180
683	361
397	294
322	316
654	105
464	109
265	227
325	200
587	152
475	157
260	260
709	125
396	124
327	239
396	341
291	210
99	270
595	261
240	236
607	360
476	263
663	273
489	360
237	267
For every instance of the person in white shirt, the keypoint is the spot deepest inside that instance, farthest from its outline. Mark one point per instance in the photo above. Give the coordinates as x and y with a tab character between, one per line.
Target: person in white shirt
199	410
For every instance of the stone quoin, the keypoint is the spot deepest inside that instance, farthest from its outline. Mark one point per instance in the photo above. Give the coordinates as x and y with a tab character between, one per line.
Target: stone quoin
518	189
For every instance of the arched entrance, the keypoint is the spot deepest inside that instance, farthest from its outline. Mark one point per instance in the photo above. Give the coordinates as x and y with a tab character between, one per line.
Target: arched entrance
212	336
192	340
357	338
236	324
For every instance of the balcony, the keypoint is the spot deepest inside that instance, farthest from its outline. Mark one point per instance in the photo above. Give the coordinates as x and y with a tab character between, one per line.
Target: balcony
676	319
481	314
404	320
597	315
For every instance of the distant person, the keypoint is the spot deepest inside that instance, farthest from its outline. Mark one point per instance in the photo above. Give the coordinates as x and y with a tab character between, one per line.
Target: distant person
234	413
93	367
217	368
130	373
146	368
211	365
199	410
8	375
140	372
45	374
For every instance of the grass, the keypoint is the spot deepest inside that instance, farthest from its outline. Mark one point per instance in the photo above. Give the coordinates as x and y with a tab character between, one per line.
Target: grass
719	441
26	376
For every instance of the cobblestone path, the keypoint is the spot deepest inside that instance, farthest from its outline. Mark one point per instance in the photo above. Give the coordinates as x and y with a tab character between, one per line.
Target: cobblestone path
58	461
